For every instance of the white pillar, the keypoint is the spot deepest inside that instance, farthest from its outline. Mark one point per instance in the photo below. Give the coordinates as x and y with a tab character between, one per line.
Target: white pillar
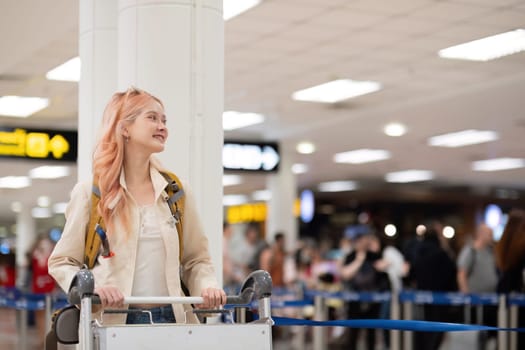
283	187
25	236
174	49
98	55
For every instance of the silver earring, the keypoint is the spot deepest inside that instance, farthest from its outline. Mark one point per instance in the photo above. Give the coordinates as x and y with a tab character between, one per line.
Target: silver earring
126	138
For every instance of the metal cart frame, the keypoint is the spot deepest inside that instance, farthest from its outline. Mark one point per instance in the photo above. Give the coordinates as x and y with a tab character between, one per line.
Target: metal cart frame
256	335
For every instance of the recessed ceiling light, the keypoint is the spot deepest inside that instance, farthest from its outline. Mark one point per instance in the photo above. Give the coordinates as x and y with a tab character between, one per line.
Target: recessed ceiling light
20	106
232	120
395	129
43	201
497	164
231	180
49	172
67	71
232	8
14	182
337	90
361	156
463	138
337	186
409	176
305	147
299	168
488	48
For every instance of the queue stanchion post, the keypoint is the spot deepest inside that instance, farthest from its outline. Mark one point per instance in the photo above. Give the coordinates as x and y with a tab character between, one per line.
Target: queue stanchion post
395	314
23	319
320	314
407	315
513	313
48	310
299	332
502	322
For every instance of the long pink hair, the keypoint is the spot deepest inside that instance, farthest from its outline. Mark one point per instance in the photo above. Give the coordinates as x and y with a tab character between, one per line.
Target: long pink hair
108	158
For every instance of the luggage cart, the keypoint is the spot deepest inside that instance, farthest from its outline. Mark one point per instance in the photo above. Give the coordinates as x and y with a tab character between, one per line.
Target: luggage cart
256	335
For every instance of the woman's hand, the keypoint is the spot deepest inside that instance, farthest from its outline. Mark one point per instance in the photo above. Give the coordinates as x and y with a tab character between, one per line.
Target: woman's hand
110	296
213	297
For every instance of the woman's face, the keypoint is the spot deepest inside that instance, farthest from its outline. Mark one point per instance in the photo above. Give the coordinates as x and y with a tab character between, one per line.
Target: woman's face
148	132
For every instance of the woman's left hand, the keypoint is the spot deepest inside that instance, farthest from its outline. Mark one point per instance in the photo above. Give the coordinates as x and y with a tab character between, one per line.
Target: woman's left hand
213	297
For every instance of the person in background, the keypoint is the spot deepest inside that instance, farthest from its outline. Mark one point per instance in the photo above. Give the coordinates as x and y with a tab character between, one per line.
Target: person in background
476	273
141	230
7	270
434	270
272	259
510	260
41	280
363	271
395	267
227	263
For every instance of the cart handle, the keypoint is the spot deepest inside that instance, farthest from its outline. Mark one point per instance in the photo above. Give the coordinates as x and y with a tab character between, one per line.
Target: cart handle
242	299
257	285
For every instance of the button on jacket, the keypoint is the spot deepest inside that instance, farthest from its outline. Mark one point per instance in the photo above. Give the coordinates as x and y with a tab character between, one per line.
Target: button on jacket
197	269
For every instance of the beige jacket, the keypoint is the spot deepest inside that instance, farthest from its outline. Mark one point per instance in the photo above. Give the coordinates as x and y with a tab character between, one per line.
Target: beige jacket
197	269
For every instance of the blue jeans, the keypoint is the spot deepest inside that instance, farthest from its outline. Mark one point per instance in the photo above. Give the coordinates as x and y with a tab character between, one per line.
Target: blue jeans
162	314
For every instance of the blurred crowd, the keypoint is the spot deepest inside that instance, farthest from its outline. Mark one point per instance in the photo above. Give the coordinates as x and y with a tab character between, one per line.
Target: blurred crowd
363	260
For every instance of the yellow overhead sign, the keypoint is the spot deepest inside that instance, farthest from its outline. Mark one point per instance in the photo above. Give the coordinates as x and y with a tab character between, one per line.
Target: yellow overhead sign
254	212
38	144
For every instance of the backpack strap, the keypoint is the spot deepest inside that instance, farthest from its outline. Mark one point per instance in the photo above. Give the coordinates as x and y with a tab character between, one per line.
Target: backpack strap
176	202
93	240
96	233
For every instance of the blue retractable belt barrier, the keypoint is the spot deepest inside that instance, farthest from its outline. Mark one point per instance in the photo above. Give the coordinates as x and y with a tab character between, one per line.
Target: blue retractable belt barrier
516	299
440	298
16	299
402	325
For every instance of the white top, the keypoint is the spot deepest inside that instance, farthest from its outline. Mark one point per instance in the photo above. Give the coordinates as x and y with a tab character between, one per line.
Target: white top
150	273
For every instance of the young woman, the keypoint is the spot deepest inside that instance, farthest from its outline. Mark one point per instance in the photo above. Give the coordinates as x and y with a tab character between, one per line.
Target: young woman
141	230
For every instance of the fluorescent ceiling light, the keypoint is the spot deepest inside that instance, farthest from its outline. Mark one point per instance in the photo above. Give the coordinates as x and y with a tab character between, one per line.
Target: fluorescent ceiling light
231	180
409	176
337	186
305	147
234	199
232	8
14	182
49	172
488	48
395	129
463	138
68	71
235	120
361	156
497	164
262	195
299	168
20	106
337	90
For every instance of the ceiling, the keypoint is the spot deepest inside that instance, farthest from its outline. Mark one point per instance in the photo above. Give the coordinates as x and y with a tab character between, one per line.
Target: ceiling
282	46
